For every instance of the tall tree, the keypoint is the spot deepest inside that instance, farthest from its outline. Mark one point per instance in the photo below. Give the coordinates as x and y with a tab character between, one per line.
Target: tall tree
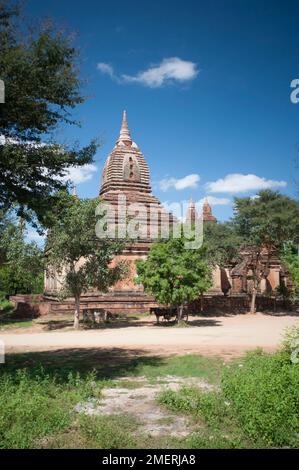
82	260
22	263
265	222
42	85
222	243
174	274
290	258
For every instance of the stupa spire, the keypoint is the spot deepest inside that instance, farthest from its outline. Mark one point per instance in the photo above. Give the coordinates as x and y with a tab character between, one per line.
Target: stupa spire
124	135
191	212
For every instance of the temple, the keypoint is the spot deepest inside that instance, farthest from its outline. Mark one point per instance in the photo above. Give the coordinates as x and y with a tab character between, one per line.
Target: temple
126	189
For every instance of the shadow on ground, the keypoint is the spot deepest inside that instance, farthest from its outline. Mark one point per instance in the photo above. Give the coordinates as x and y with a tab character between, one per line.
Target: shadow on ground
59	324
108	363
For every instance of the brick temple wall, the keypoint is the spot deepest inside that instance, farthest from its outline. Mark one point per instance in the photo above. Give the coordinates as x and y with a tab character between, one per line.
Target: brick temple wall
34	306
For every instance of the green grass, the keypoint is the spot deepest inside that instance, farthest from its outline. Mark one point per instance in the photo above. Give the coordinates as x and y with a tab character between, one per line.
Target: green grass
253	405
37	403
257	405
191	365
34	404
6	324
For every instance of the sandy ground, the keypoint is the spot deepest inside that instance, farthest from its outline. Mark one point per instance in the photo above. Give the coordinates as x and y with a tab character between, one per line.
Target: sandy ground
141	402
216	335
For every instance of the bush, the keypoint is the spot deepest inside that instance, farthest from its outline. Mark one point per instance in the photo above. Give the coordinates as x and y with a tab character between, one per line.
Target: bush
264	394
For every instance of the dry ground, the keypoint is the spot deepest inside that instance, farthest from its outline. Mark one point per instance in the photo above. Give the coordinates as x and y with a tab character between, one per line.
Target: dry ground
226	336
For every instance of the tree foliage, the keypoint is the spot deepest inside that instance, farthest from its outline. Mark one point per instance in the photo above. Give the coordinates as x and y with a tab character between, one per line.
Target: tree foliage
174	274
82	259
268	220
291	259
42	85
22	266
265	223
222	243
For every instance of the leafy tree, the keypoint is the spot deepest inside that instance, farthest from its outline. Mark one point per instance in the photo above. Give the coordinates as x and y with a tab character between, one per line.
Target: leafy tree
22	266
39	68
265	223
82	259
291	259
174	274
222	243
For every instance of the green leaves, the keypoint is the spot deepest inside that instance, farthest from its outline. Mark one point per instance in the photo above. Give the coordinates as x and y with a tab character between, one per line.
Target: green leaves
22	268
42	85
268	220
174	274
291	259
72	246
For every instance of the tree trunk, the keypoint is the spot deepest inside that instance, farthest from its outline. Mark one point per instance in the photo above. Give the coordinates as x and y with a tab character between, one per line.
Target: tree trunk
77	313
180	312
253	300
201	303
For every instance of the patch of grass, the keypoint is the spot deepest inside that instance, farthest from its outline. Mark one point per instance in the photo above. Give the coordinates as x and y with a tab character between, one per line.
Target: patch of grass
34	404
264	393
215	439
109	432
219	429
37	404
191	365
257	405
130	384
6	324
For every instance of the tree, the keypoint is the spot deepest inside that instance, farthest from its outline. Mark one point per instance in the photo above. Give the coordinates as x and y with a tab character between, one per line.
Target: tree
82	259
39	68
222	243
22	265
265	223
291	259
174	274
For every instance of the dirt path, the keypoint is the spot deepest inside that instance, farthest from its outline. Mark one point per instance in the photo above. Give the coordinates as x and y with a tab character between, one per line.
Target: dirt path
223	335
141	402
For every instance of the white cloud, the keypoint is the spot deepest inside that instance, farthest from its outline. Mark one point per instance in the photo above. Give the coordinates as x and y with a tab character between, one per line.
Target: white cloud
81	174
238	183
106	69
189	181
168	70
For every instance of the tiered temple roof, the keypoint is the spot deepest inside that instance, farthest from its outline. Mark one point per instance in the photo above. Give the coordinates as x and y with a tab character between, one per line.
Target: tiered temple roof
126	173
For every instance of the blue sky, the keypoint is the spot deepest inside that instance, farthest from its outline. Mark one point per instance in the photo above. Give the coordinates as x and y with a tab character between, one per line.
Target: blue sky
206	86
